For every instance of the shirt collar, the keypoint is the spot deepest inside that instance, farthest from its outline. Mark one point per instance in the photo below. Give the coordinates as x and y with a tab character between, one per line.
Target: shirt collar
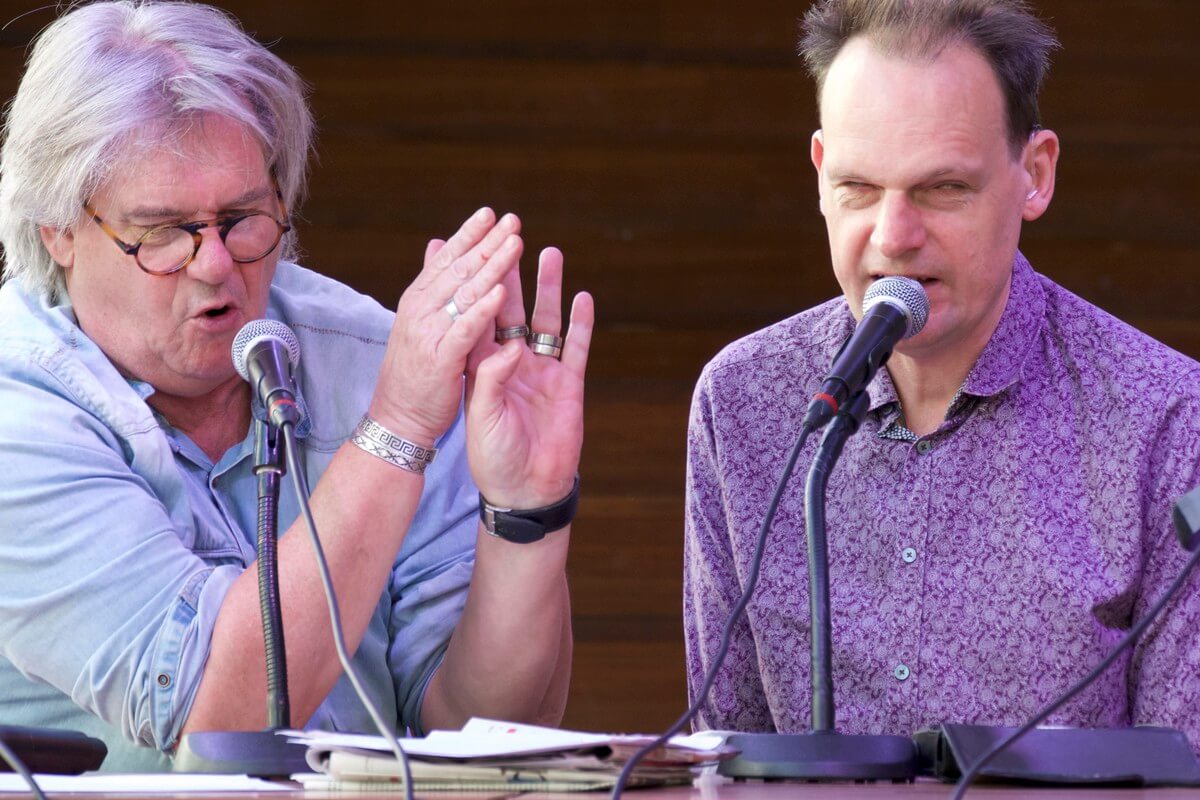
1003	358
1002	361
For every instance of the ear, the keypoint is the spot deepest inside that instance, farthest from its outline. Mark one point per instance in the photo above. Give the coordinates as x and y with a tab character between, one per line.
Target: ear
817	153
60	244
1040	161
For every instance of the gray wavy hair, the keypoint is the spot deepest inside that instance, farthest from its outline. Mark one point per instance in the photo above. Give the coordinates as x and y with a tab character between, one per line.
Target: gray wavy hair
104	73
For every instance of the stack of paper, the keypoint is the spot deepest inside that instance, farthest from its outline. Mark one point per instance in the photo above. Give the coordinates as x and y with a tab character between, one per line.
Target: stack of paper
488	755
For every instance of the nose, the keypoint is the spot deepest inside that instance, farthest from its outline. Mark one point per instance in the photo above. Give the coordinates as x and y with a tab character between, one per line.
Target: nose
899	228
212	262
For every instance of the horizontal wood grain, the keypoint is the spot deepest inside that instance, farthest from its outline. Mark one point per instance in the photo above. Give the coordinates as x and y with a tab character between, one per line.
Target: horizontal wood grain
663	146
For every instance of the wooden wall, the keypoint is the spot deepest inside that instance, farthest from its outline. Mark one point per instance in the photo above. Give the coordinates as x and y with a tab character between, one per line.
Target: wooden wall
663	145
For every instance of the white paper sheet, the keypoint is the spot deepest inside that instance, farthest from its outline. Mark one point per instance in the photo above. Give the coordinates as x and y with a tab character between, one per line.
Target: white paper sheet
163	783
487	738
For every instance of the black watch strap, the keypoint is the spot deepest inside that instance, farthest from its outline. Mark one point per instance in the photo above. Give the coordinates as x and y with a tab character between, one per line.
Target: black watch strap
529	525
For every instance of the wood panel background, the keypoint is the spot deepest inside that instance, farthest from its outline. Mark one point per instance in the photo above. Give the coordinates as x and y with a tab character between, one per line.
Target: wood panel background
663	144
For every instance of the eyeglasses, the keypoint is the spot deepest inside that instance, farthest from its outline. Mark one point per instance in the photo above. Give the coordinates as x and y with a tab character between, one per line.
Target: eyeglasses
165	249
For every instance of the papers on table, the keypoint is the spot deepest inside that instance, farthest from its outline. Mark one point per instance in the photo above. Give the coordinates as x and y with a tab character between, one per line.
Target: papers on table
489	755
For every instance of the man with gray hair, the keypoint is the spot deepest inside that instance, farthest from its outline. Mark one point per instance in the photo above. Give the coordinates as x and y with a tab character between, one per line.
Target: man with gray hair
1004	513
151	157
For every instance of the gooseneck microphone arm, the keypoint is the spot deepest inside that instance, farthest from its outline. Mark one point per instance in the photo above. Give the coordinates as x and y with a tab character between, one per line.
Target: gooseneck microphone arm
821	653
265	354
269	467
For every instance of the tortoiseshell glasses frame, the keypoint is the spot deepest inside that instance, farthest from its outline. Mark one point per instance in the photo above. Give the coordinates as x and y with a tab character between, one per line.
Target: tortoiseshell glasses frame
257	240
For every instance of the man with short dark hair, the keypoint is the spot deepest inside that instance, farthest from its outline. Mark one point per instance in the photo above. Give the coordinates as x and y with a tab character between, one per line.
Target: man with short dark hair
1003	514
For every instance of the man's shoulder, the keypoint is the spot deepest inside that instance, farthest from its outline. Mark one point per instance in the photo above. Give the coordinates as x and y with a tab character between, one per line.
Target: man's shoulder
801	344
27	322
1106	349
315	305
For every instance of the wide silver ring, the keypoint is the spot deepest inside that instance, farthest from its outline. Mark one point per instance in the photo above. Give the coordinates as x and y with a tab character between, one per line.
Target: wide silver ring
511	332
546	344
452	309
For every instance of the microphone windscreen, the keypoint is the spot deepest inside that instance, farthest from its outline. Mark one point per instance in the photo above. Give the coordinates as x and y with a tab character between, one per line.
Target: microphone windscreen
903	293
256	331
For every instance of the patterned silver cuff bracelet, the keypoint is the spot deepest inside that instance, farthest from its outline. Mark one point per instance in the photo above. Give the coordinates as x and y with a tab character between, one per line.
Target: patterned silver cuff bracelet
396	450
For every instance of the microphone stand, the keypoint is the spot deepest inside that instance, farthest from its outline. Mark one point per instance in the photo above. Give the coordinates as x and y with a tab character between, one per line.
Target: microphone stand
260	753
269	467
823	753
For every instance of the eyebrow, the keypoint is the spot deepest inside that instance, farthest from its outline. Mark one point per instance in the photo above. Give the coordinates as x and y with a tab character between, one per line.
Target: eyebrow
937	174
243	200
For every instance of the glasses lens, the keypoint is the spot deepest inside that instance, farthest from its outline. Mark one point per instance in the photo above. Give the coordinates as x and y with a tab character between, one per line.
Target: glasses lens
165	249
253	237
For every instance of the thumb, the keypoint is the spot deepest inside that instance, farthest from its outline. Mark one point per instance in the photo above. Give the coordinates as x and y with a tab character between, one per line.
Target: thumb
493	373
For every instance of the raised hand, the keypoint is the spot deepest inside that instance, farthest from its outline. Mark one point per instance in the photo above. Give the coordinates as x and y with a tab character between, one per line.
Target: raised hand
525	407
450	306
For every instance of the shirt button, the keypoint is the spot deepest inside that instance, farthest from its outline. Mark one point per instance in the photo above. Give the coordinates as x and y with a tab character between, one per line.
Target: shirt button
164	680
924	446
901	672
909	554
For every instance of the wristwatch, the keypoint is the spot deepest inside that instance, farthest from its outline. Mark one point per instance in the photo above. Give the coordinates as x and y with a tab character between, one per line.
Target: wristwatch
530	525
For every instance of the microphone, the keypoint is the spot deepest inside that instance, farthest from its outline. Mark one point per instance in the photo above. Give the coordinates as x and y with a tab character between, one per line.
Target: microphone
265	353
894	308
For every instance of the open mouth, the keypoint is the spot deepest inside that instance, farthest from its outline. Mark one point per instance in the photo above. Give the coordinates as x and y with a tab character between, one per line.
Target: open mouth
918	279
214	313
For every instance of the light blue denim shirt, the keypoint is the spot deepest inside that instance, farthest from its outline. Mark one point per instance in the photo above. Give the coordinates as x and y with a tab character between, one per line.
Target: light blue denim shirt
119	537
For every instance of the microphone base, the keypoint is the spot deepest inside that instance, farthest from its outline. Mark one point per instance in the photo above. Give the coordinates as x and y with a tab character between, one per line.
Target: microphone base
821	756
260	754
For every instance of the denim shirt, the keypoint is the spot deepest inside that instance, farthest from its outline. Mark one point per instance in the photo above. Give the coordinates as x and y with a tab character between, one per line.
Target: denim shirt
119	537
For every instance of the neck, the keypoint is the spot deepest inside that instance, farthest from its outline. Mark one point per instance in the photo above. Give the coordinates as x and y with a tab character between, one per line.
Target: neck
215	421
925	390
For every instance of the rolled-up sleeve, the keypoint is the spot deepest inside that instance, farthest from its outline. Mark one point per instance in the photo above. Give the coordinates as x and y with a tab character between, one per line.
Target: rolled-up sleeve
101	596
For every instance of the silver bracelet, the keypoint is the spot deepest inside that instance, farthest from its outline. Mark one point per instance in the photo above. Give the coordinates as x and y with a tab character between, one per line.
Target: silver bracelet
396	450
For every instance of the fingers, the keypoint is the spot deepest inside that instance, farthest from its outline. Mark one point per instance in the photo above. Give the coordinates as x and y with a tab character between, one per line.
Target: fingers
512	313
466	252
547	307
474	324
579	336
467	236
490	275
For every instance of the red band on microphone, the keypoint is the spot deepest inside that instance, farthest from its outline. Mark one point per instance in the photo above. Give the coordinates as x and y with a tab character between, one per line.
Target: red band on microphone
829	400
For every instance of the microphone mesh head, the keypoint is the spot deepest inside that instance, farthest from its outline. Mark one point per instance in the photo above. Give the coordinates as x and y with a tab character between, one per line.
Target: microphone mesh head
256	331
903	293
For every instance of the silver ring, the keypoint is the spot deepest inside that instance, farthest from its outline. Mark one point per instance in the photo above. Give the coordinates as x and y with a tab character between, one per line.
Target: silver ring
511	332
546	344
452	309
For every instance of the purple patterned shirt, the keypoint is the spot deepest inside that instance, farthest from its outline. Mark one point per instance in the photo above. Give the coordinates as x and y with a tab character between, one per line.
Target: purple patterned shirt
976	572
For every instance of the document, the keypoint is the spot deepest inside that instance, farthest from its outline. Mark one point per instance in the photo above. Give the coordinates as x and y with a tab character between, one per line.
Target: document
492	755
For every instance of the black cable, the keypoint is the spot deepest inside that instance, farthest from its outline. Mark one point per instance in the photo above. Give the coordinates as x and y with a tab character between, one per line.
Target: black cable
1136	631
19	767
727	631
335	616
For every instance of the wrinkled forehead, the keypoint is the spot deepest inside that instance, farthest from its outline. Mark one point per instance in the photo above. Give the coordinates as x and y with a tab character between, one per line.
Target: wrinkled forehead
871	99
169	151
